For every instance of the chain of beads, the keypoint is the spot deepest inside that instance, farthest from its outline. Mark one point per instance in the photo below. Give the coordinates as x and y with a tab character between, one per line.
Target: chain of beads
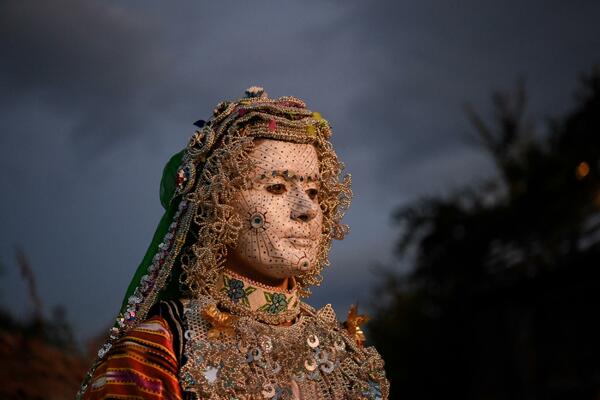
129	317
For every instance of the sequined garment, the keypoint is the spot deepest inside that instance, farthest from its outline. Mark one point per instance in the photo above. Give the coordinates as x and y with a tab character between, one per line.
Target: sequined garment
314	358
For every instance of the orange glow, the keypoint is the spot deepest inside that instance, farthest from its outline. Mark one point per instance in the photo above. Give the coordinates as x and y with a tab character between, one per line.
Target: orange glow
583	169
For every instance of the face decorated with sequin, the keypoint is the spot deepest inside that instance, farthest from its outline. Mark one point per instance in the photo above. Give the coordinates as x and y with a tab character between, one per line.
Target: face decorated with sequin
281	213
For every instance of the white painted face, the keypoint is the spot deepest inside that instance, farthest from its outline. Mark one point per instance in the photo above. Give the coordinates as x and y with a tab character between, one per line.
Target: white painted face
281	213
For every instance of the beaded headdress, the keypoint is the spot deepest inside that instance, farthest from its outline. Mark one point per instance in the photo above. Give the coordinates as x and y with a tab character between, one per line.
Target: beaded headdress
189	248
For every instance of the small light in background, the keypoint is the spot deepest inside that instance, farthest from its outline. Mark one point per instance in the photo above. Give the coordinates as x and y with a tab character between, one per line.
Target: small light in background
583	169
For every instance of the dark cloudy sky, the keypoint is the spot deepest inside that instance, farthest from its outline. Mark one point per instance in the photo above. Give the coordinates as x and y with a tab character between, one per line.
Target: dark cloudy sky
96	95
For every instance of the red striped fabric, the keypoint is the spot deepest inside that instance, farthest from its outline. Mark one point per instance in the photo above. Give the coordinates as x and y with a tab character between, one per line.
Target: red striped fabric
141	365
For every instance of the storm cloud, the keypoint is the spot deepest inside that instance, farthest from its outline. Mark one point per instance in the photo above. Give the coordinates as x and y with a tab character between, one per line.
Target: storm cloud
96	95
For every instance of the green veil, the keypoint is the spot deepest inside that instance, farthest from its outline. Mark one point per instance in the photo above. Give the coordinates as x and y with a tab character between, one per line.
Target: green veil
170	204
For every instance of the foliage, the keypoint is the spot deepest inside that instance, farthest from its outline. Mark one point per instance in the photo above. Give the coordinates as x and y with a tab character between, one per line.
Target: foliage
498	304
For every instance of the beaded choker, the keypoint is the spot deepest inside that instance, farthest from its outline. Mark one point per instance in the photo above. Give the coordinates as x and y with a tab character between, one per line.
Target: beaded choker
243	296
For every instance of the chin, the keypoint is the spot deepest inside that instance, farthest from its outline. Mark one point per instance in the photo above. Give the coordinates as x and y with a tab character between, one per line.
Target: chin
291	270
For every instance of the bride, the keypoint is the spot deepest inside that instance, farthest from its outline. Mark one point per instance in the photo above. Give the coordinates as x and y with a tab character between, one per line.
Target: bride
215	309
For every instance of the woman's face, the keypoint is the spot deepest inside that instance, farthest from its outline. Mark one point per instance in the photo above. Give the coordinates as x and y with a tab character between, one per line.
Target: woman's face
281	216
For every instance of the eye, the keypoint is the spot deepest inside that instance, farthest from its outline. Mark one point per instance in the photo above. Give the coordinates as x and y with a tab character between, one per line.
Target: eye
312	193
278	188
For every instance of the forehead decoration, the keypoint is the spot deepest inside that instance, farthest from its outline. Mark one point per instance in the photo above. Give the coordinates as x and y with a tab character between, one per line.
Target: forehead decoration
255	116
189	248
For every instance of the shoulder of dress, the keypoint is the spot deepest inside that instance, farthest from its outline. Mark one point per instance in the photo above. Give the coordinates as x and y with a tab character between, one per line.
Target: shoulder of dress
327	315
171	312
152	335
142	356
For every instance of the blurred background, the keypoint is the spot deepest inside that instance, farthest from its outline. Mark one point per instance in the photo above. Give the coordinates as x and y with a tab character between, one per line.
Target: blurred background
471	130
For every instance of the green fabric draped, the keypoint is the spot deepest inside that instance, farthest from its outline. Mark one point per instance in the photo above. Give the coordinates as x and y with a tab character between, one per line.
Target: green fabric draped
167	188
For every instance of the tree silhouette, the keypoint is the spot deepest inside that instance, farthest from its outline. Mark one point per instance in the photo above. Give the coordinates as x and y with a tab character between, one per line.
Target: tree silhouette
500	302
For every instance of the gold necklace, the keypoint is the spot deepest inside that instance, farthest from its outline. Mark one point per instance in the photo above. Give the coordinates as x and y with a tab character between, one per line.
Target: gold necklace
314	356
244	297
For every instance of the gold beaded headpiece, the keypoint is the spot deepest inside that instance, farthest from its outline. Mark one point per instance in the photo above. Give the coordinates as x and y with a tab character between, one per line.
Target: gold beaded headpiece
256	116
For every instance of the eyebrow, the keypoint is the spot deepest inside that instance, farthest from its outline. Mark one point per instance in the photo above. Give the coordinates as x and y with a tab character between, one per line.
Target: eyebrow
290	176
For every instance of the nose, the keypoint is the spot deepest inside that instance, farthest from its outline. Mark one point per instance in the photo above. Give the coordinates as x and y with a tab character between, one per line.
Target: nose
303	208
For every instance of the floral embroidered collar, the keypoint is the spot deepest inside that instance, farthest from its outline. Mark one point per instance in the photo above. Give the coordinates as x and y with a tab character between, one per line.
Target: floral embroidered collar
243	296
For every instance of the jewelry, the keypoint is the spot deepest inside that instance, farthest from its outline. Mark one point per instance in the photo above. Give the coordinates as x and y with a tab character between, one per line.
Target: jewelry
269	361
243	296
